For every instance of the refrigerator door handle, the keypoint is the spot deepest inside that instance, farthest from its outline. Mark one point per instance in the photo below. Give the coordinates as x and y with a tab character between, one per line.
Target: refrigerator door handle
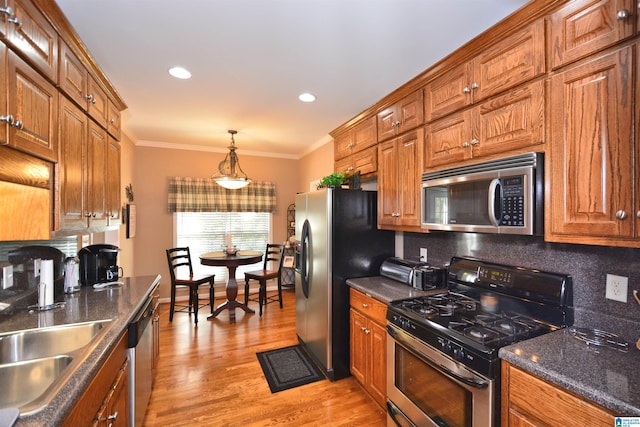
304	273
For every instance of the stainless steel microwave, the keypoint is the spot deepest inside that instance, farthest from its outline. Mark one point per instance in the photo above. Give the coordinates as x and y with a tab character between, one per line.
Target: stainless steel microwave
497	196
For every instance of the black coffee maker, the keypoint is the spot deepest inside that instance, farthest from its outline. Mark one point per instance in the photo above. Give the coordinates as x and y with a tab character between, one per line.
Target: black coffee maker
98	264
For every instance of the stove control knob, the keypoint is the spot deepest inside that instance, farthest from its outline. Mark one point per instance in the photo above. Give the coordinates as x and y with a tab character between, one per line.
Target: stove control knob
458	353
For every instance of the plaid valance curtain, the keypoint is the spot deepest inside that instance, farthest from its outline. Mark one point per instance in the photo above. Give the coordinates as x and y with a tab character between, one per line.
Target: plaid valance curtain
204	195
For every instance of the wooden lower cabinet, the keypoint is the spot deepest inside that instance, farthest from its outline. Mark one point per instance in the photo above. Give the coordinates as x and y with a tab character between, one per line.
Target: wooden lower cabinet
531	401
105	402
369	345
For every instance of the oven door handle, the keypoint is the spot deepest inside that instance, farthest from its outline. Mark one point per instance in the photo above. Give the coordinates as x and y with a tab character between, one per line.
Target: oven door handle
397	416
468	381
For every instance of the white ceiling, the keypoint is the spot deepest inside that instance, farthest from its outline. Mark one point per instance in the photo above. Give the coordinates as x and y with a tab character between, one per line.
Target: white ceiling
250	59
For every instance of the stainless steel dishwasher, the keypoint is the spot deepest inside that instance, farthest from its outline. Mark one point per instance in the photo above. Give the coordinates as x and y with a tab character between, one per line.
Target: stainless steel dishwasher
140	359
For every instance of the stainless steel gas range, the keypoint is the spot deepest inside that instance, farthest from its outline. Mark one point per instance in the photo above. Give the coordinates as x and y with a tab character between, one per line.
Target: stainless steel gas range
442	351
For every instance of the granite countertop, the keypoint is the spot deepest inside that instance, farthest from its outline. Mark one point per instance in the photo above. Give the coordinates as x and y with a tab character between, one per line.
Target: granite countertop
605	376
119	304
387	290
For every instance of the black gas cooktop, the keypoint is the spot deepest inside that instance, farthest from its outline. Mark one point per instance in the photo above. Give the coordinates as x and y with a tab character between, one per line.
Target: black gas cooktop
486	306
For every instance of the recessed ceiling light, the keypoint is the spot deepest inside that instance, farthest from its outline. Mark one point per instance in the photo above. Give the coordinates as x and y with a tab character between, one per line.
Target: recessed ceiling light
307	97
180	73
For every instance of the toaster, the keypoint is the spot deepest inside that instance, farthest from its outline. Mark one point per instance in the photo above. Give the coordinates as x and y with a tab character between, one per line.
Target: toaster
427	277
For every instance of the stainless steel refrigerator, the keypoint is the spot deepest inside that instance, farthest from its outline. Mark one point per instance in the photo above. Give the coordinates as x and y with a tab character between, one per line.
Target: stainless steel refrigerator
336	239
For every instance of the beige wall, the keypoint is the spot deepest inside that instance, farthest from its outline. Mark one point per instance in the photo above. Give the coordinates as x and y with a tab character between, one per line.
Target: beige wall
315	165
154	166
126	258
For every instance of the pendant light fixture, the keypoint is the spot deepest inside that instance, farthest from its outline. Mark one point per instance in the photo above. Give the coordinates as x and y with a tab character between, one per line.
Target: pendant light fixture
230	175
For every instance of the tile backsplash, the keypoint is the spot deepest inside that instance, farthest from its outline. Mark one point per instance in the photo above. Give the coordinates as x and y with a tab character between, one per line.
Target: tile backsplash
588	266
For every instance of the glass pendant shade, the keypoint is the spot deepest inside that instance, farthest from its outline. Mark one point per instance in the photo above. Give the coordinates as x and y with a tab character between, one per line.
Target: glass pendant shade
230	175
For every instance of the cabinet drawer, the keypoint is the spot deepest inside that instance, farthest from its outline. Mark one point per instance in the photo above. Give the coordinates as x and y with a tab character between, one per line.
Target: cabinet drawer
539	401
370	307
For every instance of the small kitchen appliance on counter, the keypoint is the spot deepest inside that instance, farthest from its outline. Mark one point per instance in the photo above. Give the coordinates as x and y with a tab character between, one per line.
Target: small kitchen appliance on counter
417	274
451	340
99	264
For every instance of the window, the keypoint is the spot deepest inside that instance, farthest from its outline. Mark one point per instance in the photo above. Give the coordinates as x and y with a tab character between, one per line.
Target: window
206	232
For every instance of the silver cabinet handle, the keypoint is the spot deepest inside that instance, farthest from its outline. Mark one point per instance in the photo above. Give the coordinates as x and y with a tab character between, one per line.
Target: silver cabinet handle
17	124
621	214
465	144
114	416
474	85
638	214
367	331
466	90
350	168
112	121
623	14
474	141
11	16
90	98
87	215
7	119
365	305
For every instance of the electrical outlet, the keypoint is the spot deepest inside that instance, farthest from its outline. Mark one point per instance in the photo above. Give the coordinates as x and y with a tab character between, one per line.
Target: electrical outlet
423	254
36	267
617	287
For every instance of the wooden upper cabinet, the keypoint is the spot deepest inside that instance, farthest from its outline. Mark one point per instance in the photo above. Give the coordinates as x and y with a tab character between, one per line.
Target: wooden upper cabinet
113	121
97	171
404	115
98	103
113	182
74	78
399	180
592	150
583	27
365	162
33	107
508	122
512	61
29	33
360	136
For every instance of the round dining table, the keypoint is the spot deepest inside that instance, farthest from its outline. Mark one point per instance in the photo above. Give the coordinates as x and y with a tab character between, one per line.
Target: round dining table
221	259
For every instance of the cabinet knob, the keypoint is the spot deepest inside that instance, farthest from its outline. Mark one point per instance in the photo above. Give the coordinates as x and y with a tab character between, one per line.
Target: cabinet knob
623	14
474	141
638	213
7	119
87	215
113	416
90	98
474	85
367	331
466	90
621	214
465	144
112	121
17	124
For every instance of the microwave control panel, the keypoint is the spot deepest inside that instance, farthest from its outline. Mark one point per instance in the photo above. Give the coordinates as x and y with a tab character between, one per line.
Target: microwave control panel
513	201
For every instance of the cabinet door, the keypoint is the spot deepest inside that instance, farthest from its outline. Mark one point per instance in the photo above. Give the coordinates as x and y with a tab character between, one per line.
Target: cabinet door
402	116
378	363
448	93
73	78
510	62
409	178
448	140
98	103
387	183
583	27
97	183
358	345
118	403
113	121
342	145
592	148
387	123
33	103
364	134
113	182
72	167
34	38
365	161
511	121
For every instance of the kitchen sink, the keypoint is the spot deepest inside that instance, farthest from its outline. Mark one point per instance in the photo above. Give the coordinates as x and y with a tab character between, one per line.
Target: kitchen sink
36	363
45	342
25	382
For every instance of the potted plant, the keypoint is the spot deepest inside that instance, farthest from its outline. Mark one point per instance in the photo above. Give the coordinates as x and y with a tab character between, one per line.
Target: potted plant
334	180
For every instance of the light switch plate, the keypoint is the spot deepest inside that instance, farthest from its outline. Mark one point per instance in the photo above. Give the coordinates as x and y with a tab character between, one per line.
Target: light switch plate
423	254
617	287
7	276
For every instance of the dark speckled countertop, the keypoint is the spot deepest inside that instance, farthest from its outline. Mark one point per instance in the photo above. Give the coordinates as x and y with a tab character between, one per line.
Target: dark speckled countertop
605	376
119	304
386	290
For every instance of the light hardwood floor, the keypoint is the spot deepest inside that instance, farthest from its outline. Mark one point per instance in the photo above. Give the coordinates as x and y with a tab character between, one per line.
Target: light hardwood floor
209	375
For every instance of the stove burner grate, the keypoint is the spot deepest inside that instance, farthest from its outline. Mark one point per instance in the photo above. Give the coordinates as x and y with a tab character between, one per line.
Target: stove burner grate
600	338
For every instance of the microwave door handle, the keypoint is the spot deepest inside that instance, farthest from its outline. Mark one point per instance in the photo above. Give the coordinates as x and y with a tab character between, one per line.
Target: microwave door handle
495	187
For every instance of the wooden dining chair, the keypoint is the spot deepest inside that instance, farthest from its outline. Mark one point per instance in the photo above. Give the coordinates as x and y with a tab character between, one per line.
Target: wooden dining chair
181	272
273	255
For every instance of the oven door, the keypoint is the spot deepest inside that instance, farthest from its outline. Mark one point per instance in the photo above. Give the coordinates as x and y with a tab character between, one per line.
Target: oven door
427	388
